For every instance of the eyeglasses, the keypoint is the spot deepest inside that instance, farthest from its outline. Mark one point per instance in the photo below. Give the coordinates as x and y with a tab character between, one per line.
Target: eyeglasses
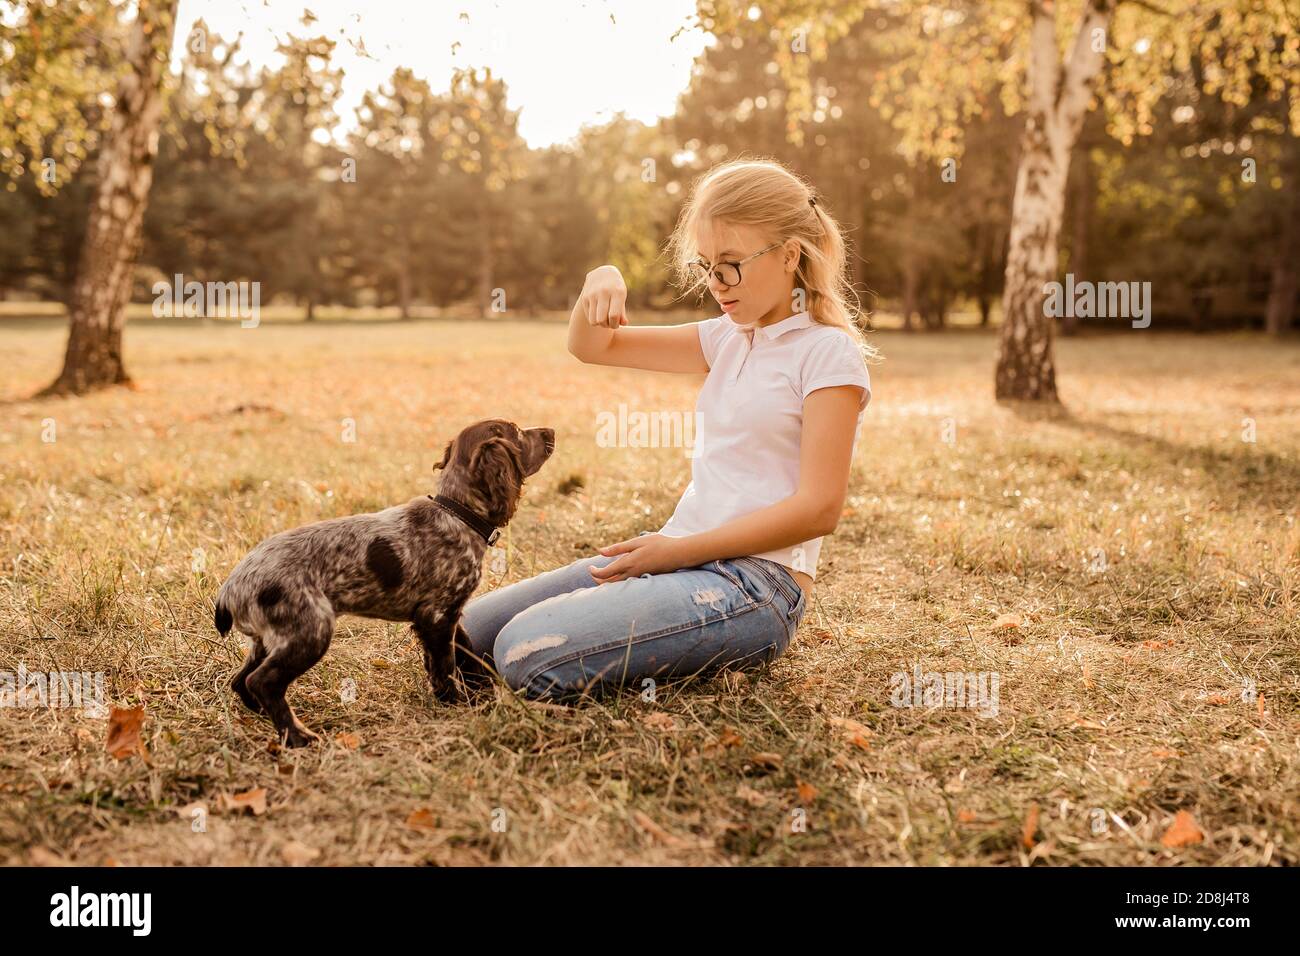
728	273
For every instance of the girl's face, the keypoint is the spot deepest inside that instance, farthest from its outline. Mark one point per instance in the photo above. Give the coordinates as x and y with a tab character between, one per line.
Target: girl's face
766	289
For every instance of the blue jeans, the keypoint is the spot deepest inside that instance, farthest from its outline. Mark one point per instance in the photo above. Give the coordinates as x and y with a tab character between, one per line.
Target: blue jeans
560	635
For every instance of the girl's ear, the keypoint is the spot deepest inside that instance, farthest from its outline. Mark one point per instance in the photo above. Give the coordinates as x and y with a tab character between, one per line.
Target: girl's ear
791	252
446	457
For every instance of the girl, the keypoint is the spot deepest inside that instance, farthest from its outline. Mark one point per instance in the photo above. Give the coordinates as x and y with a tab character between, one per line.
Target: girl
726	581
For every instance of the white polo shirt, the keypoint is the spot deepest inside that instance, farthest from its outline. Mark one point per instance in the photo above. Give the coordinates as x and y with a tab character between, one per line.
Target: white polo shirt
749	420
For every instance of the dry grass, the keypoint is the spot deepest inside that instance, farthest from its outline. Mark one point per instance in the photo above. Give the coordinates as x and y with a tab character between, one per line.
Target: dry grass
1121	692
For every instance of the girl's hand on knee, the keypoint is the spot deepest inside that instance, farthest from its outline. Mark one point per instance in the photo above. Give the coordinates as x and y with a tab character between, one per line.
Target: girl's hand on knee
644	554
604	297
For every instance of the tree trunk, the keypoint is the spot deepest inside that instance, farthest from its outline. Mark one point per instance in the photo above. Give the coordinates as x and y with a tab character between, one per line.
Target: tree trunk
404	288
1081	202
1026	367
1059	97
1202	309
485	260
934	306
990	252
102	289
1285	281
911	281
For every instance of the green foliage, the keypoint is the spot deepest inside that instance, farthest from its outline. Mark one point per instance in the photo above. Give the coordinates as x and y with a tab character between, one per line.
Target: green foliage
905	116
56	64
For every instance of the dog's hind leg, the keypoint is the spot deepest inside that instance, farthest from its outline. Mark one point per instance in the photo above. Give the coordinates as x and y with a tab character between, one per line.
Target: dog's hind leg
256	654
290	652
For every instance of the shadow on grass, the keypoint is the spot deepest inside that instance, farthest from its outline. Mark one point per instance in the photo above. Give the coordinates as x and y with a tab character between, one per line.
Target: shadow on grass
1272	480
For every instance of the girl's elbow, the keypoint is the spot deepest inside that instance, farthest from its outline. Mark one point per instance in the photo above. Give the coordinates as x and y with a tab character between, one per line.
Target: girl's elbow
826	519
578	352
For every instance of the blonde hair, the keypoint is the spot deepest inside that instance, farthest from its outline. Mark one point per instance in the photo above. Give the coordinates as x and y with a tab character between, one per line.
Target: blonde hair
765	194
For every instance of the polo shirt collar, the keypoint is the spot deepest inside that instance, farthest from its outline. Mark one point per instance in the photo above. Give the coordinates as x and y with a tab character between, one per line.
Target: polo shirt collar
800	320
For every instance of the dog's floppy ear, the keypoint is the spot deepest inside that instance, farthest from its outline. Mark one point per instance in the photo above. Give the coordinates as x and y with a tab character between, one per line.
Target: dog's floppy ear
499	452
445	458
500	473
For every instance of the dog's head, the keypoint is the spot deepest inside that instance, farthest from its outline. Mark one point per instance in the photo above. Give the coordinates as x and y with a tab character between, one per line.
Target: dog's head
486	464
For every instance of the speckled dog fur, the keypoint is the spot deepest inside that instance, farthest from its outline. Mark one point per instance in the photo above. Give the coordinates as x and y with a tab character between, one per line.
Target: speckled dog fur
412	562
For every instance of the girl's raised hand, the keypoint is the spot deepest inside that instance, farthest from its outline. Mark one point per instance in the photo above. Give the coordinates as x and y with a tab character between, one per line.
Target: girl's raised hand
604	298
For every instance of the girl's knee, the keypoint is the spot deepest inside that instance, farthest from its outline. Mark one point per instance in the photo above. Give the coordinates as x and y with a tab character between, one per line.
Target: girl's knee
528	658
476	621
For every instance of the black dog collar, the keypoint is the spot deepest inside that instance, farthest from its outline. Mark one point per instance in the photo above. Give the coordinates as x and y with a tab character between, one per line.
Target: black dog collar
486	530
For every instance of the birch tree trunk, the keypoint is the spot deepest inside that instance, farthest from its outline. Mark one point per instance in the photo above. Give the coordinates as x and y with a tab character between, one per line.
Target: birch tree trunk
102	288
1081	202
1059	94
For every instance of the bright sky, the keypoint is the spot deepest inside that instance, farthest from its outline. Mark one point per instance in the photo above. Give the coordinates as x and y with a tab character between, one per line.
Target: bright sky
566	64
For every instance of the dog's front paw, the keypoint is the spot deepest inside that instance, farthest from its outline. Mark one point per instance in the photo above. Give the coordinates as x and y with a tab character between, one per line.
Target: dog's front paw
446	691
299	736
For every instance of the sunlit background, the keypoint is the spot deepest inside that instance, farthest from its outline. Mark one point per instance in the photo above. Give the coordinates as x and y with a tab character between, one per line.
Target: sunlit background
1102	512
565	65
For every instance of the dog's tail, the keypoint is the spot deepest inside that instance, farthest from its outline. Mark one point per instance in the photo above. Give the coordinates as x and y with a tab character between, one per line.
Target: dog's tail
222	619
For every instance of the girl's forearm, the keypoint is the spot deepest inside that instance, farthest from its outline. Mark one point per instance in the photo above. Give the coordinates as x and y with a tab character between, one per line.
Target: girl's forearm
791	521
586	339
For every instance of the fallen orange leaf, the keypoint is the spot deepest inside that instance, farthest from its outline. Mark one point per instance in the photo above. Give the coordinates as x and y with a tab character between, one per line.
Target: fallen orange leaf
853	732
1089	724
1030	827
730	738
252	800
807	792
1183	831
656	831
422	819
124	732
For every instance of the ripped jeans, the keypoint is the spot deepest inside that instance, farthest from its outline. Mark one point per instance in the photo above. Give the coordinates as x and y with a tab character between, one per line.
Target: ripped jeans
560	635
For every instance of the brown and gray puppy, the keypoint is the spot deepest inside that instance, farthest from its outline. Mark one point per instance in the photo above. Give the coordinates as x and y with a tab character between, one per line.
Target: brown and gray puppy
416	562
